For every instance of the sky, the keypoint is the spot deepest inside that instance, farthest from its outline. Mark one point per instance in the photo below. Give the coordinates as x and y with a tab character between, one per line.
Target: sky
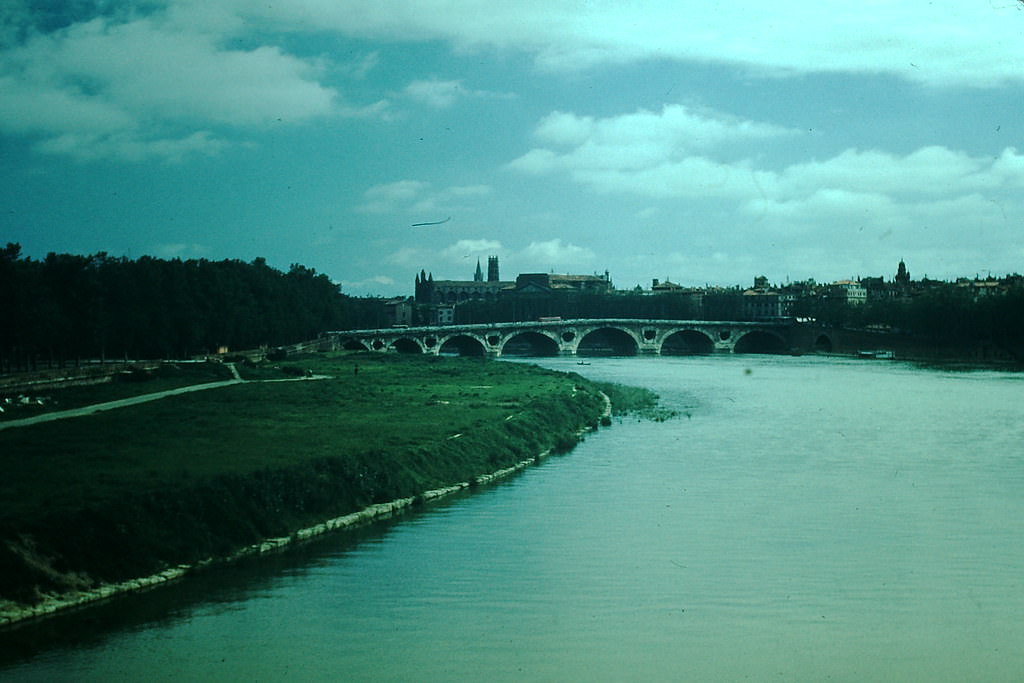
702	143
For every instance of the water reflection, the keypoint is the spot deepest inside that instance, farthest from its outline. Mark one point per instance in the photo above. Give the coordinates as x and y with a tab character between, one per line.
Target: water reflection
207	593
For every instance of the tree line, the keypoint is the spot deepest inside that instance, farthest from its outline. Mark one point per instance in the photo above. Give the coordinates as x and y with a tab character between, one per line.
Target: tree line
68	307
943	312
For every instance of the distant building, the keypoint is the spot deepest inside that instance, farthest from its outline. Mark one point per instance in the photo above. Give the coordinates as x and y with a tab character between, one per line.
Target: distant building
443	314
399	311
550	283
848	291
979	289
762	302
902	275
666	287
435	292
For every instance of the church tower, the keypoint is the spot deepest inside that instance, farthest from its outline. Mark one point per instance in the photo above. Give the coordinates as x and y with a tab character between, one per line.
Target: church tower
492	268
478	276
902	274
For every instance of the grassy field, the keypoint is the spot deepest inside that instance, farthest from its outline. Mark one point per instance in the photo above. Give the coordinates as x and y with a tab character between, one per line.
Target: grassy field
373	403
121	493
123	385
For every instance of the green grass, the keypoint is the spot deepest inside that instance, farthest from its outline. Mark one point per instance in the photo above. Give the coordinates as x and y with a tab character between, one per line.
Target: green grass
393	405
167	376
125	493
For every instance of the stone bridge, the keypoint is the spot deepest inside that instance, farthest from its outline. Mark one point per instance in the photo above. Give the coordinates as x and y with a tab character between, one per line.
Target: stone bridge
615	337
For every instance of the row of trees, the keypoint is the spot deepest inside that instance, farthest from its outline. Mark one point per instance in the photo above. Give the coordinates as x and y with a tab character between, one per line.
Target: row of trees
944	312
66	307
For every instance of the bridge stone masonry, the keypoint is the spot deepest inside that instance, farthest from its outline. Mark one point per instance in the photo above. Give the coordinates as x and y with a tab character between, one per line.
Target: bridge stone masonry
619	337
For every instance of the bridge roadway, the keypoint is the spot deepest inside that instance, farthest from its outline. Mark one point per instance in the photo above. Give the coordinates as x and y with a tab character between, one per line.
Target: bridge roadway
572	337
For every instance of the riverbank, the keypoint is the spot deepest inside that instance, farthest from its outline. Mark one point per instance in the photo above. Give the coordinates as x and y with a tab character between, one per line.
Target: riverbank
915	348
136	495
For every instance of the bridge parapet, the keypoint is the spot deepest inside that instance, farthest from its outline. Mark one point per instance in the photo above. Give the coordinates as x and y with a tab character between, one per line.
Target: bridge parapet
567	337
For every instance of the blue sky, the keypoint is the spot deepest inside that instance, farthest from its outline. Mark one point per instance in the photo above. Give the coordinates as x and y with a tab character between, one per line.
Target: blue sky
704	144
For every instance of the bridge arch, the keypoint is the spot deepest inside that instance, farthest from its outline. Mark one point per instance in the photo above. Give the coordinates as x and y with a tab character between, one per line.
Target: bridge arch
584	336
406	345
353	344
530	343
461	345
607	341
760	341
687	342
823	343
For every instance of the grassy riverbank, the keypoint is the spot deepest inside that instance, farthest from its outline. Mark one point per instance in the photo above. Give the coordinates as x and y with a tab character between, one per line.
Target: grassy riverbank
130	492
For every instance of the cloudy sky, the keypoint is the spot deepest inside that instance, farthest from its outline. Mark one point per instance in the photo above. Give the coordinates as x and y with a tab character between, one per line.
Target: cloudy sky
699	142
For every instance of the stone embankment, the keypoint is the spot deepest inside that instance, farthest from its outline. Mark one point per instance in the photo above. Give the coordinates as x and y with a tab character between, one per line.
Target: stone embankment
13	614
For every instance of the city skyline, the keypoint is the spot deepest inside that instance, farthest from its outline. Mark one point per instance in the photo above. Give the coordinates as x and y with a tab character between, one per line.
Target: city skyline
702	145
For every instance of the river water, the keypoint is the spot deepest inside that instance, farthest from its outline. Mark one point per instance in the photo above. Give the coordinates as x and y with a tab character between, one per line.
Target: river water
803	519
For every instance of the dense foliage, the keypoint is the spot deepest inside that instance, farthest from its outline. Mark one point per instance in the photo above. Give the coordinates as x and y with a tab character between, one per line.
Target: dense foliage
68	306
943	313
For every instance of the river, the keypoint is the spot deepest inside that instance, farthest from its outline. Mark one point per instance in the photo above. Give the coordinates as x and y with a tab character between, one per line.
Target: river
803	519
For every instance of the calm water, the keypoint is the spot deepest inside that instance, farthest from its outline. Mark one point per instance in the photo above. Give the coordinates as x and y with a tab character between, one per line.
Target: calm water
805	519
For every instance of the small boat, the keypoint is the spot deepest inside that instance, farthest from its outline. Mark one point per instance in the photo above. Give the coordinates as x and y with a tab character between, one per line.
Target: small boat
877	354
582	362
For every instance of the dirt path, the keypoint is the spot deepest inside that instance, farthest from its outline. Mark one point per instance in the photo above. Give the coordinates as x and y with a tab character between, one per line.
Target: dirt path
144	398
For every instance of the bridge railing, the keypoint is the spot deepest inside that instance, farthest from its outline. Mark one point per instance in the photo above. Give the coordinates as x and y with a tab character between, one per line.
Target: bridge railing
568	322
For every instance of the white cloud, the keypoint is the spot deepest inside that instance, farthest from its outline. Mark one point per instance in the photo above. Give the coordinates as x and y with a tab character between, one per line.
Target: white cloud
441	94
416	197
406	256
451	200
434	93
180	250
400	190
935	42
554	255
679	154
179	69
361	66
674	129
129	147
393	196
150	68
366	286
656	154
469	191
135	88
866	205
471	248
932	170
